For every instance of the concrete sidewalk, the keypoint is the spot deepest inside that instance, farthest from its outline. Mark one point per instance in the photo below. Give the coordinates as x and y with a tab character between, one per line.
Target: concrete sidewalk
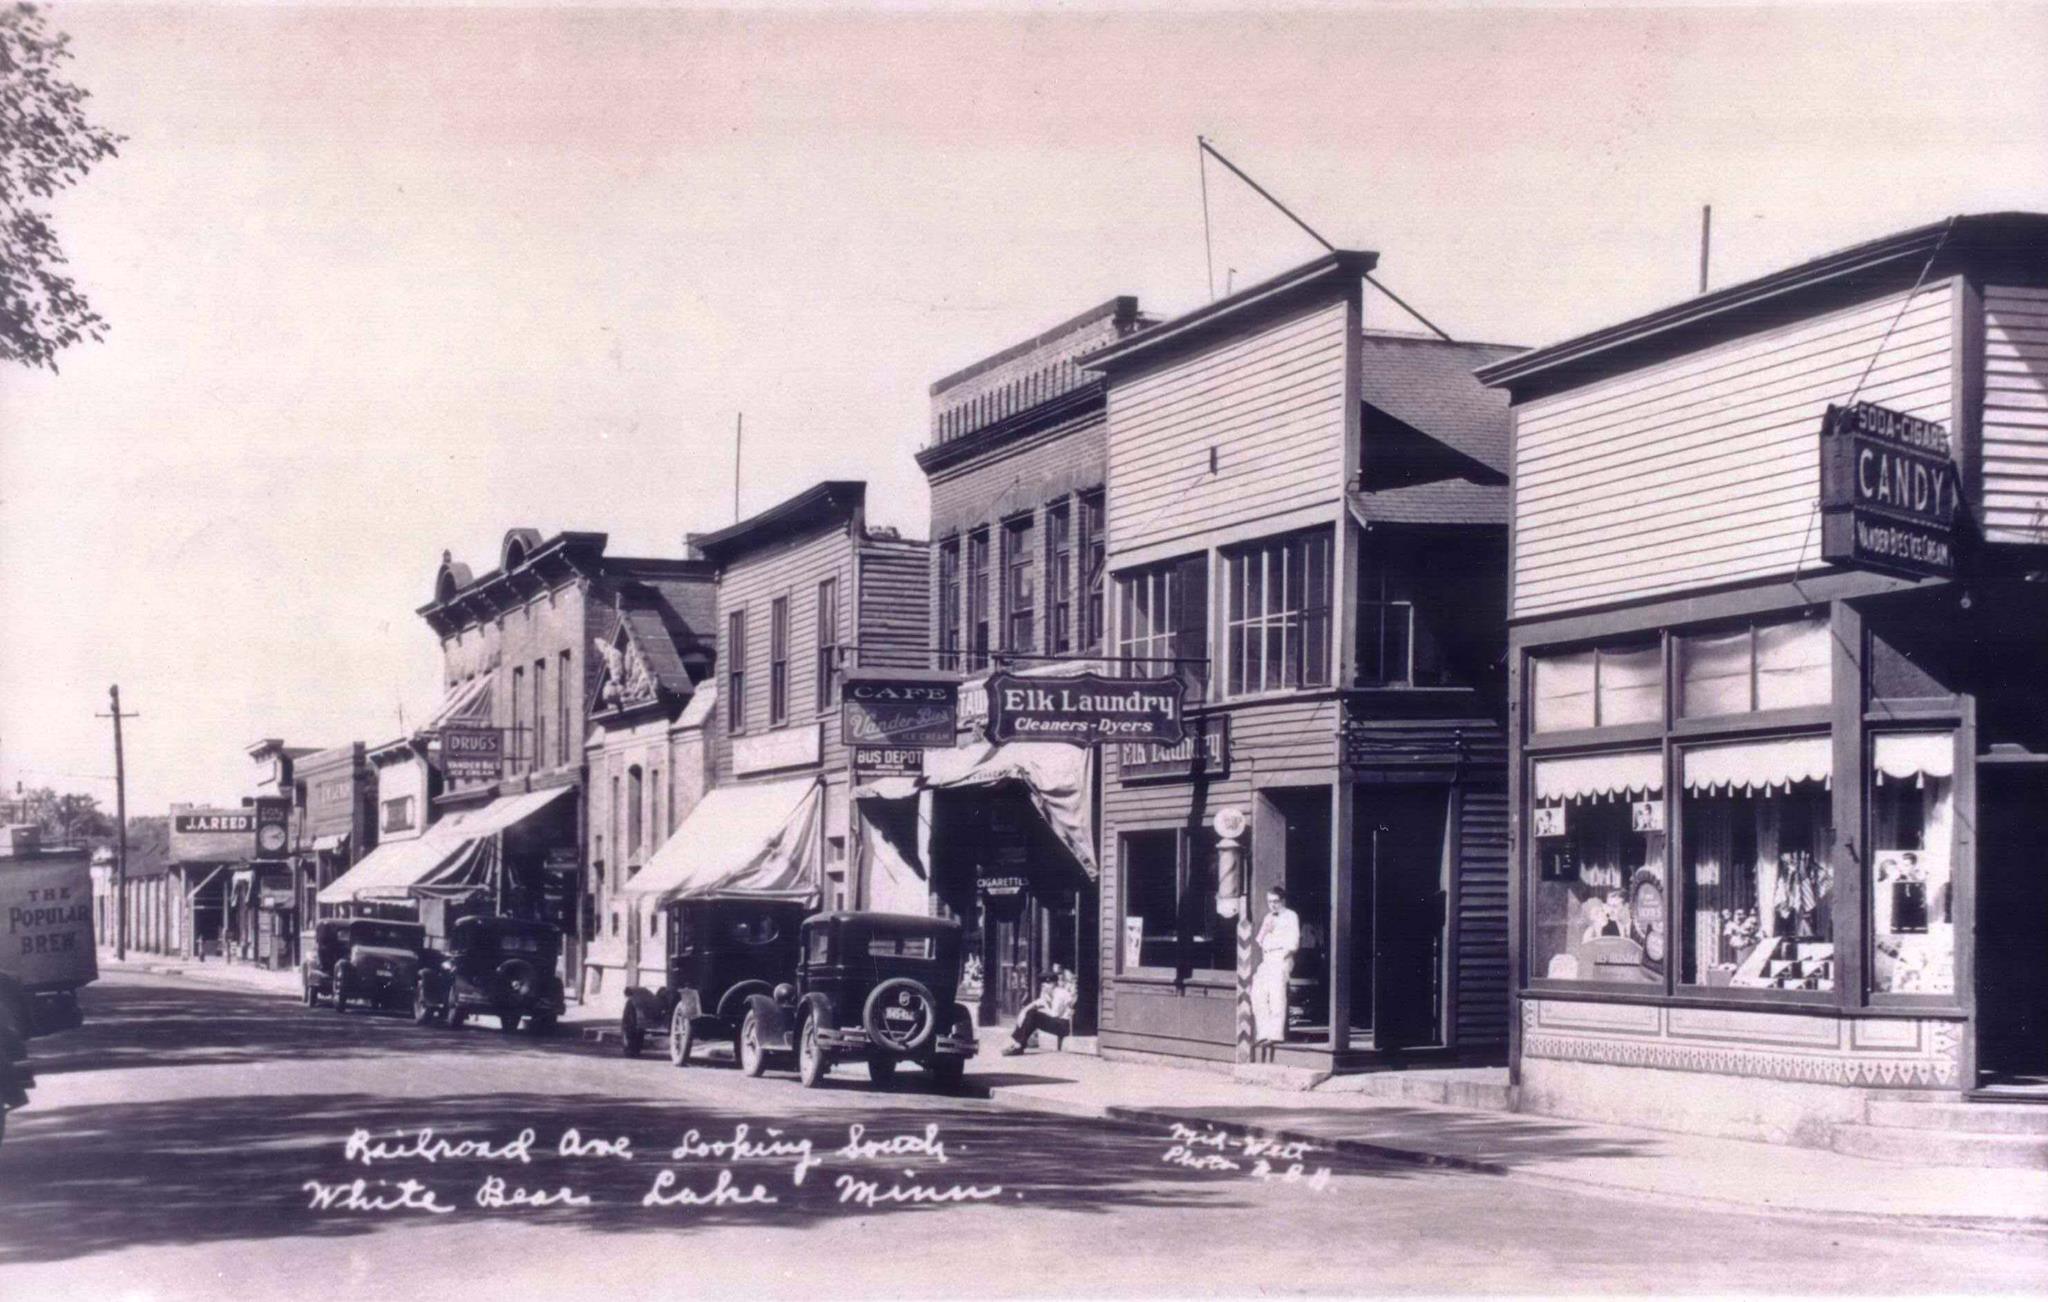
1341	1118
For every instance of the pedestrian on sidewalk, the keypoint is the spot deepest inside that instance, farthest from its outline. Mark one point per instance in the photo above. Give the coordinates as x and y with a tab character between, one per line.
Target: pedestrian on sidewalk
1279	937
1052	1011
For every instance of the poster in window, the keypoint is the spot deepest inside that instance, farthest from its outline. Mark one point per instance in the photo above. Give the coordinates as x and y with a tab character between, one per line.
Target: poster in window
1548	820
1134	941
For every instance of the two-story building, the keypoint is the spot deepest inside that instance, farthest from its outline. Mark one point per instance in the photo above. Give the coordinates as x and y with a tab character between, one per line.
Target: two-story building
1306	524
1016	467
337	824
807	593
1778	629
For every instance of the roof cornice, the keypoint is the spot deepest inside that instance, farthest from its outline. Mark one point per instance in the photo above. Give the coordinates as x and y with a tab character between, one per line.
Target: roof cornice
1343	266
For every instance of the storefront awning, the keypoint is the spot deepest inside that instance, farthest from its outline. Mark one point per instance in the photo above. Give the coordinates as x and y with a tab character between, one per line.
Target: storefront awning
469	702
451	858
1058	777
1910	756
756	840
1596	777
1760	764
331	842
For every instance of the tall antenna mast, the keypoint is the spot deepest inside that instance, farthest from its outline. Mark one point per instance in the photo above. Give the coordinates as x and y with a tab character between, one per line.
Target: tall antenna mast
739	434
1706	241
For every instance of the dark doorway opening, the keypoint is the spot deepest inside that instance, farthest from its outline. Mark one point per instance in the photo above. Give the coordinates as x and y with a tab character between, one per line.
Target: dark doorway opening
1305	872
1398	902
2012	924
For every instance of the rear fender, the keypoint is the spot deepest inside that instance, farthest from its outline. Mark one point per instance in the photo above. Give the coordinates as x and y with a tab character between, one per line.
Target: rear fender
649	1005
734	1002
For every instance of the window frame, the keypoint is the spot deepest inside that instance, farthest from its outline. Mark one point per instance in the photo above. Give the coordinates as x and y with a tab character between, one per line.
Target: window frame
949	598
540	712
736	671
778	661
976	617
1162	650
1091	547
828	643
1020	585
1059	577
519	730
1184	944
1296	615
562	675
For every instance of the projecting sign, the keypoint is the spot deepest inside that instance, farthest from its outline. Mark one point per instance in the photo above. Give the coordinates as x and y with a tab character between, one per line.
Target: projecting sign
887	761
472	753
896	712
1889	492
1084	709
273	826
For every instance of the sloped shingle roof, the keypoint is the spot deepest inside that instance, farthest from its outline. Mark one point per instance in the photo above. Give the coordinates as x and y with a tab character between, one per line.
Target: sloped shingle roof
1428	384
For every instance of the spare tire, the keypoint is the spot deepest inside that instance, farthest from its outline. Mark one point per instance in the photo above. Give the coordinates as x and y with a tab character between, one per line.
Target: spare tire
516	980
901	1015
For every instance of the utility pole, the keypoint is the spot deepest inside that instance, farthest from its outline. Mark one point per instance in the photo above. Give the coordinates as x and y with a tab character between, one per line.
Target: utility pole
120	826
1706	241
739	434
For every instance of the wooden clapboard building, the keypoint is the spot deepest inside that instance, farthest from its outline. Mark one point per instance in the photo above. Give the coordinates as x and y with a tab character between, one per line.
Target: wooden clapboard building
1306	522
1780	749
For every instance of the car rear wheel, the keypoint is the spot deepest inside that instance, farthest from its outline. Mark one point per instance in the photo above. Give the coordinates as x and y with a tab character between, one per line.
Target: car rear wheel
307	992
541	1024
423	1013
881	1069
456	1017
948	1072
813	1060
682	1033
510	1021
753	1055
632	1035
340	988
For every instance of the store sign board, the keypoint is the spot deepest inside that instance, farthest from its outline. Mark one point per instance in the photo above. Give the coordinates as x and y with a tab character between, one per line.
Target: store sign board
212	835
472	753
785	748
888	761
242	821
1890	492
1084	709
1203	752
898	712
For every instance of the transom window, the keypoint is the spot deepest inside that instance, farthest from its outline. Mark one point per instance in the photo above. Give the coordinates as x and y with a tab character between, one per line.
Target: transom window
1600	687
1279	626
1761	667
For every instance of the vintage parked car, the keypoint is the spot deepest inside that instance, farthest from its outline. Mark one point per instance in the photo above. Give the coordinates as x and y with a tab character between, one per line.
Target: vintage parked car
720	951
877	986
494	964
363	960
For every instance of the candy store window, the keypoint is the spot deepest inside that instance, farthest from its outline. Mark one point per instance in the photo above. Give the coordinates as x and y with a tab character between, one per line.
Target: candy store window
1598	903
1912	835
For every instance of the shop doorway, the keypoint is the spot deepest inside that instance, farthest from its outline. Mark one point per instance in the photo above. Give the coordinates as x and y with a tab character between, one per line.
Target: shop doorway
2012	925
1304	869
1398	912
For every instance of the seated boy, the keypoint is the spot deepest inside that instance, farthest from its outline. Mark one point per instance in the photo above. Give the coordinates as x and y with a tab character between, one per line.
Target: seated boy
1052	1011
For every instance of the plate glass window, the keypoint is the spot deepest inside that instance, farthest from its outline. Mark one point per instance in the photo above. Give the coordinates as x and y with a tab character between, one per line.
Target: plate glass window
1911	799
1279	615
1764	667
1597	904
1169	895
1599	687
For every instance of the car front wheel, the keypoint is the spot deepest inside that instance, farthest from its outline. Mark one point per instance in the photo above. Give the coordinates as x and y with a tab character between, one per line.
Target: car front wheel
340	988
813	1061
682	1033
510	1021
632	1035
750	1051
881	1069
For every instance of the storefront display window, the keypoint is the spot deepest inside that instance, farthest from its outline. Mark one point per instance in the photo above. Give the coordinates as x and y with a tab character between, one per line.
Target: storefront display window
1767	667
1597	910
1602	687
1759	881
1169	895
1912	832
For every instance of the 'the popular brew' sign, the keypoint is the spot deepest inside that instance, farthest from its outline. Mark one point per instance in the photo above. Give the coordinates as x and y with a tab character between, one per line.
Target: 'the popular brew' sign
1889	492
1084	709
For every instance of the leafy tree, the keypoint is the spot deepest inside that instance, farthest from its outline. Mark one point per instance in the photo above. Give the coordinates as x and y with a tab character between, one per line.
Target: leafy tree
46	145
77	815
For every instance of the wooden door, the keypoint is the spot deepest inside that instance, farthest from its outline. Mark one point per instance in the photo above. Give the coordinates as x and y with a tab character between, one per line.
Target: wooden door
2012	923
1402	831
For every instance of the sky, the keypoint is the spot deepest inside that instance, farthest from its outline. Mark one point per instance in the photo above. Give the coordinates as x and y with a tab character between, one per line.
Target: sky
390	280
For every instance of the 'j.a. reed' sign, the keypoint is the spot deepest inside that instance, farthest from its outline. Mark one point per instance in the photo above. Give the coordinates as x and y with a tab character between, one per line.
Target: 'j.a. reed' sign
1084	709
1889	492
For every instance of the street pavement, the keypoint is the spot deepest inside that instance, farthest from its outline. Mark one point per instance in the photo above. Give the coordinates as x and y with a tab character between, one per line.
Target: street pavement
195	1141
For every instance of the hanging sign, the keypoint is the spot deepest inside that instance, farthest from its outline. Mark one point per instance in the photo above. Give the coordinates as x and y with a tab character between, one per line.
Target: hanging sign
273	826
471	753
887	761
1203	752
899	711
1889	492
1084	709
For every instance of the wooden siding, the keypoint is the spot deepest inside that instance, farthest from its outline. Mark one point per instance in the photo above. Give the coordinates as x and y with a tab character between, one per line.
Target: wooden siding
791	568
2015	438
1479	937
1705	470
895	612
1271	403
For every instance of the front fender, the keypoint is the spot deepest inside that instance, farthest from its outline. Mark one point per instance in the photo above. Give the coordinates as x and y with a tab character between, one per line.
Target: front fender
773	1020
735	1001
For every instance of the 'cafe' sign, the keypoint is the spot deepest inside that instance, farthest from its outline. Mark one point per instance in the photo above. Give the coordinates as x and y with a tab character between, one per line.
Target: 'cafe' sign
1889	492
897	712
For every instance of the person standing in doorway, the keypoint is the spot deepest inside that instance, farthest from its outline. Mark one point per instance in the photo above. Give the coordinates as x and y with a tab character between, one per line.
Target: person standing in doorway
1279	937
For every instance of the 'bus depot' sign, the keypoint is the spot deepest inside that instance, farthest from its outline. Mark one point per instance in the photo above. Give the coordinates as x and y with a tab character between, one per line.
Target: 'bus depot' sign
1889	492
1084	709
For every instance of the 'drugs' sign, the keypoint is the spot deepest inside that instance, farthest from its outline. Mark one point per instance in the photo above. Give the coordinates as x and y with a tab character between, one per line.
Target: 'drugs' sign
1084	709
1889	492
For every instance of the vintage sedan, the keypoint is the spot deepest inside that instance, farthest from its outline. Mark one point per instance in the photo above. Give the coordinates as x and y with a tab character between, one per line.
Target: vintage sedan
720	952
875	986
494	965
366	960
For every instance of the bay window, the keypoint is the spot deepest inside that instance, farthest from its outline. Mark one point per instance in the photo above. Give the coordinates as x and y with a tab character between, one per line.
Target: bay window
1278	632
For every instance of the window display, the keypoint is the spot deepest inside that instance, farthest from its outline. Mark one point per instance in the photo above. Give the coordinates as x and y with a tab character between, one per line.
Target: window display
1598	904
1758	877
1912	831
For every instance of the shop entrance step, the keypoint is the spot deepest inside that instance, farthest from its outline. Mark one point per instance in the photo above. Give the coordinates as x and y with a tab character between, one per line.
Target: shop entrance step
1920	1146
1967	1118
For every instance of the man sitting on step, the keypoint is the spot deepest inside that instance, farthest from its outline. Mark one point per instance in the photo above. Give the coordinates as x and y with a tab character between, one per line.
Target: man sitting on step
1052	1011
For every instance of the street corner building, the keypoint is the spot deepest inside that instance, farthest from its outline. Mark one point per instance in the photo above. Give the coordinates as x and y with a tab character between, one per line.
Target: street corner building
1778	629
1307	526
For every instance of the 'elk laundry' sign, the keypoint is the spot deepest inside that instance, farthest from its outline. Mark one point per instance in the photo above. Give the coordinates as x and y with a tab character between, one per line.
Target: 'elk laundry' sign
1889	492
1084	709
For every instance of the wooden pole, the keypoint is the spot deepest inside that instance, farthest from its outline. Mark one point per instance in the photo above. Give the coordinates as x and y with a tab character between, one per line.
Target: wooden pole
1706	241
120	829
739	434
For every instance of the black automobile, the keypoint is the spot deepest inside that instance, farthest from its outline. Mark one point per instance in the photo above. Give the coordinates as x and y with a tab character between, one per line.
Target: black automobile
875	986
370	961
494	965
720	951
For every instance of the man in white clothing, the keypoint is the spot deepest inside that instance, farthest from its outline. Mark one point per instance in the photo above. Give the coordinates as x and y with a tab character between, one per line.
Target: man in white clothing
1052	1011
1279	937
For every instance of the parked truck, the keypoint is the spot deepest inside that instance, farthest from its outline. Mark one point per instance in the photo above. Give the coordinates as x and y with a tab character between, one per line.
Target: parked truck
46	949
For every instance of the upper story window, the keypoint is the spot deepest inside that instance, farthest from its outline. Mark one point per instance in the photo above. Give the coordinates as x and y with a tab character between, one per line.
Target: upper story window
736	671
562	709
636	813
398	814
828	643
1091	546
1059	579
1761	667
520	741
977	600
1279	621
1397	645
778	662
1020	583
1163	622
949	604
540	713
1600	687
